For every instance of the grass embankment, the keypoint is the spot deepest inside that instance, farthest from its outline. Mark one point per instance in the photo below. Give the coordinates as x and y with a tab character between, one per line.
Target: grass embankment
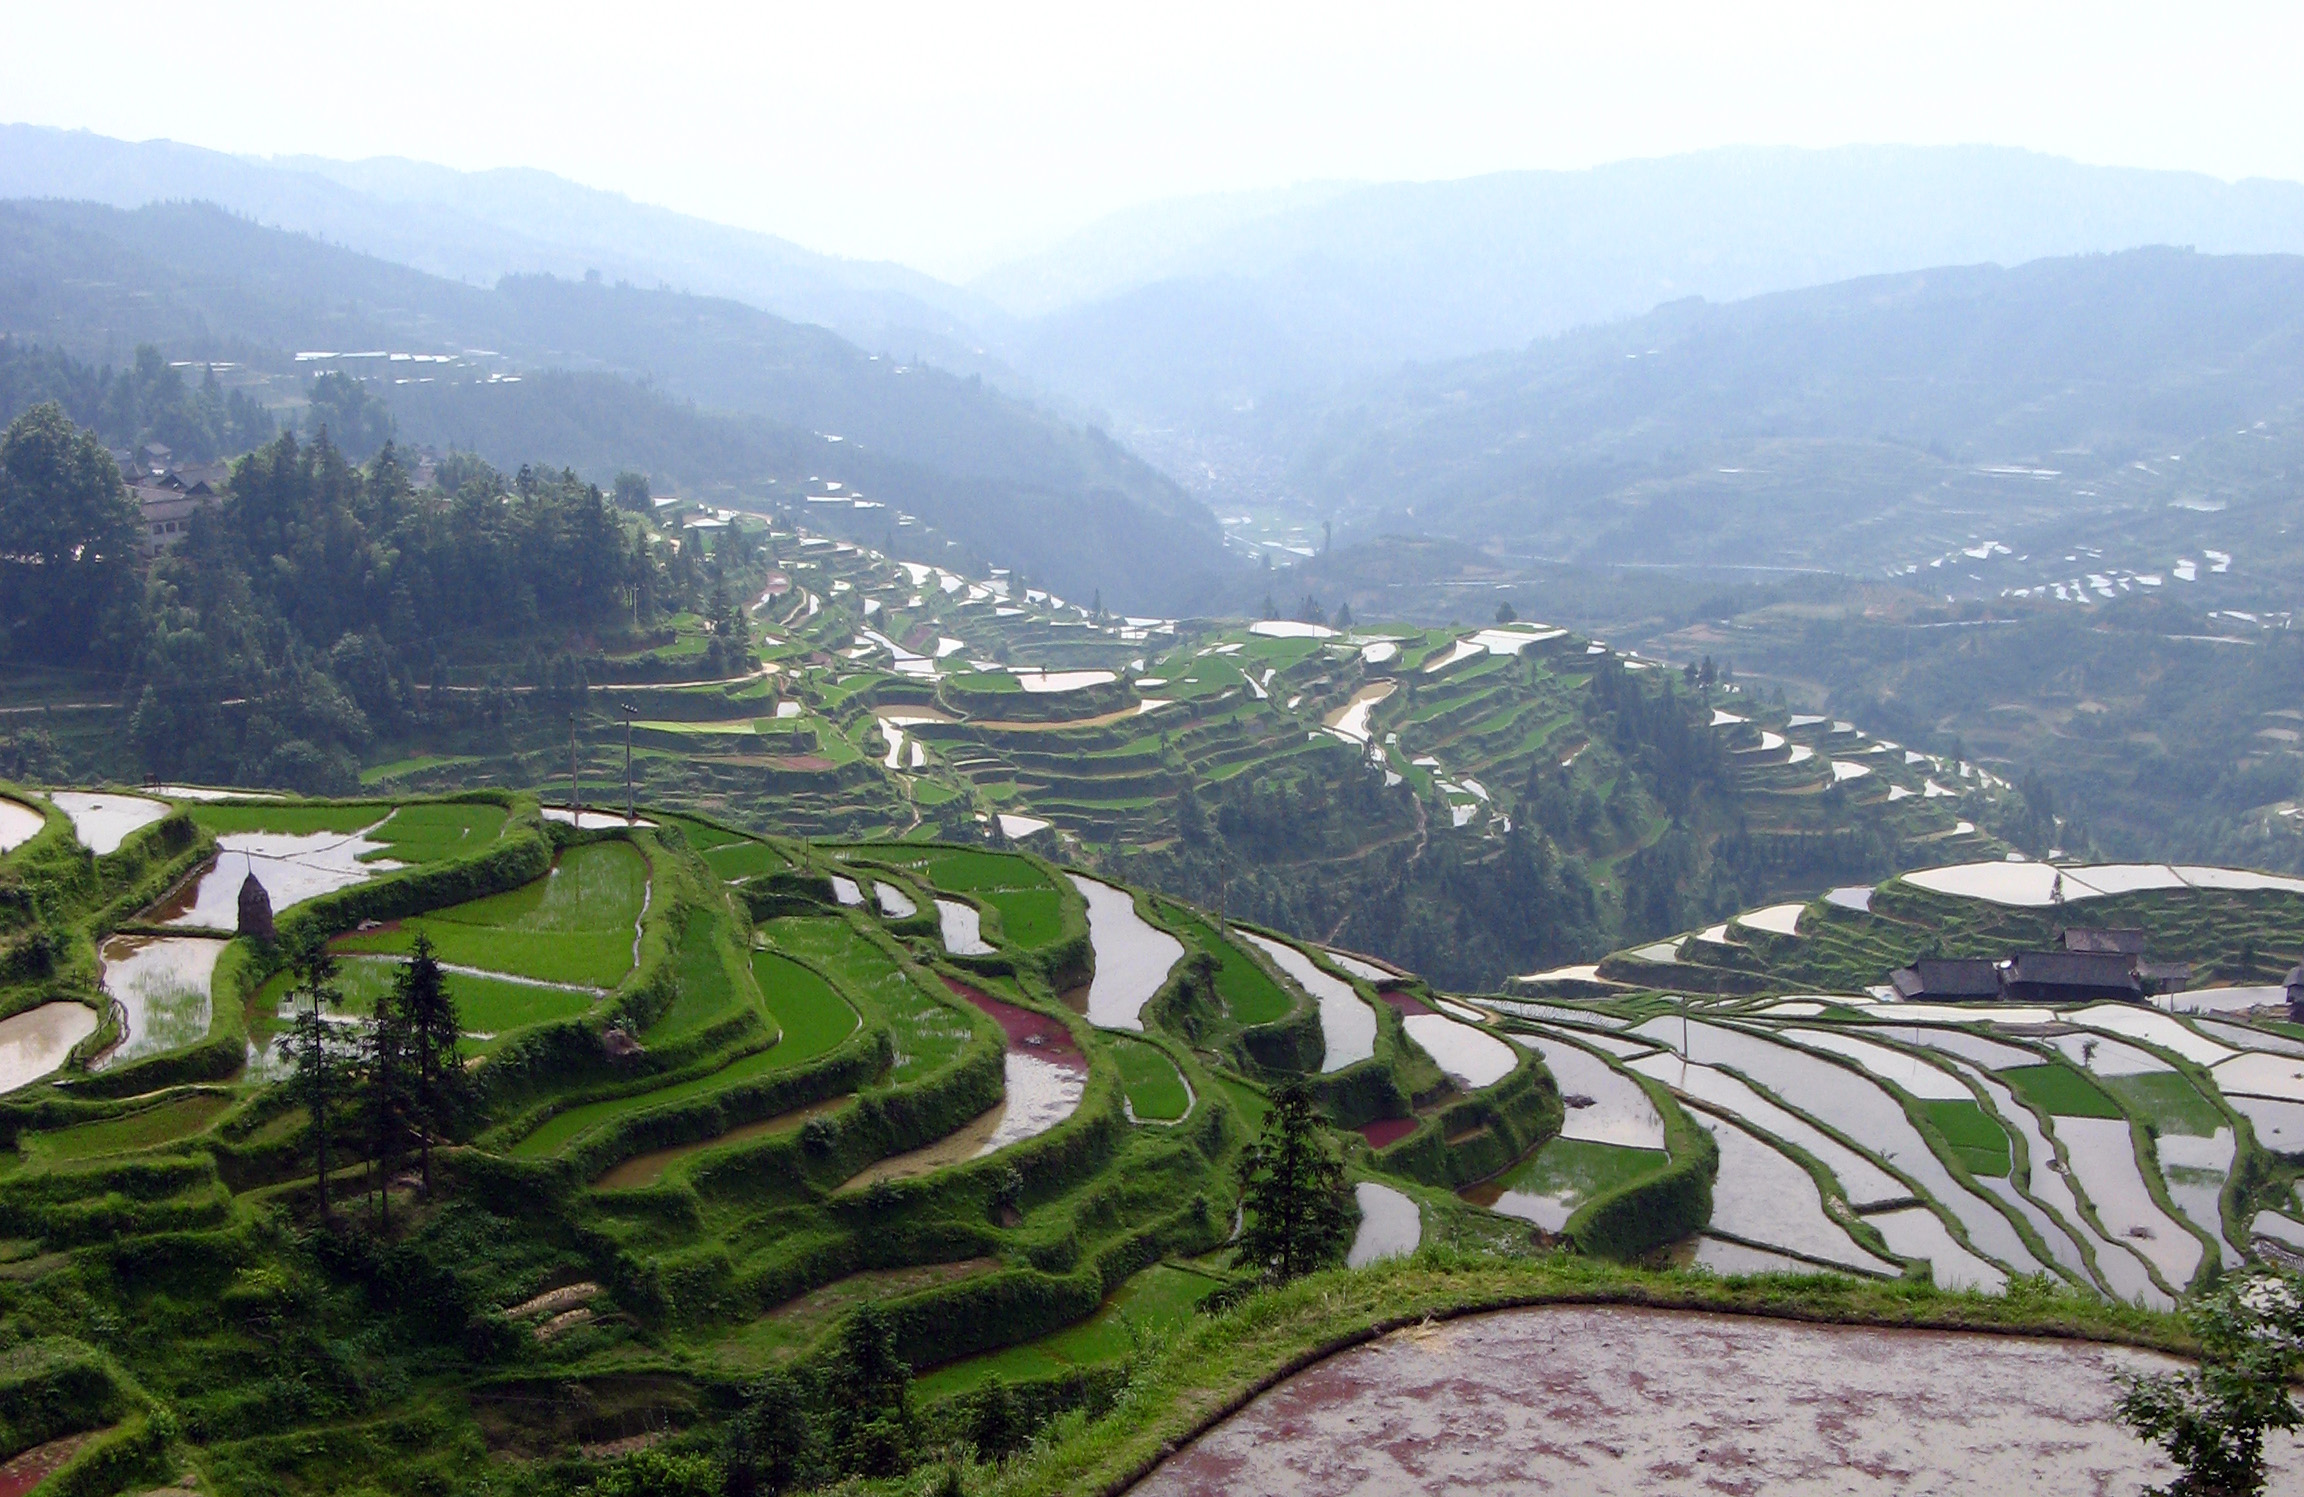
162	1123
574	925
1155	1302
1155	1088
1248	991
815	1020
1217	1364
927	1032
1031	909
485	1005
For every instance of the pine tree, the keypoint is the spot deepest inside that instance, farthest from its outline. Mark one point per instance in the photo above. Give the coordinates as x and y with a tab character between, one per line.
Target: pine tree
387	1094
434	1033
1292	1191
315	988
869	1389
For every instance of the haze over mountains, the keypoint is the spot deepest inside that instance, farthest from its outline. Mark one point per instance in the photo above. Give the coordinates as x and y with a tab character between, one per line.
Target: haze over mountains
700	390
1839	427
1744	356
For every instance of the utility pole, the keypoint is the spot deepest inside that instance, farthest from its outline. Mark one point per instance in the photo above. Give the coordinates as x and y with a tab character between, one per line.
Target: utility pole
575	797
630	815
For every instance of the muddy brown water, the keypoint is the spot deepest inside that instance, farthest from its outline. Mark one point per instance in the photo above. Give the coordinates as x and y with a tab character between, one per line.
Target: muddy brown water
1603	1400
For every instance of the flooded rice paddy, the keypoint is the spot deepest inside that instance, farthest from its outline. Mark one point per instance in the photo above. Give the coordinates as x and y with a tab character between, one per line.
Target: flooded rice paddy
1045	1071
1347	1023
35	1042
1471	1058
2103	1158
1763	1197
1917	1232
1603	1106
1610	1402
1391	1225
1852	1106
589	820
19	824
962	926
162	986
1132	958
292	867
894	902
1862	1182
103	822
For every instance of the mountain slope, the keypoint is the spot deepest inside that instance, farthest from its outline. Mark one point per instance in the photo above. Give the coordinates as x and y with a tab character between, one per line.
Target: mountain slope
1838	427
1362	279
478	226
993	472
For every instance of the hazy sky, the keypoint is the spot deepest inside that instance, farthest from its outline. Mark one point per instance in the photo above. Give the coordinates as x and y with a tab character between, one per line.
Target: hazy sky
947	135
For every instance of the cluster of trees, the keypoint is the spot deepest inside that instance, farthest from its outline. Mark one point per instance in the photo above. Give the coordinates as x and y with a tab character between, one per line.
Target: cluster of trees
320	602
399	1089
148	401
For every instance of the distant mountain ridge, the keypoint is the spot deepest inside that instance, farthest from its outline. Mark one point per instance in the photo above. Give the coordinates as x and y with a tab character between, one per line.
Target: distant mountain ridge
479	226
1363	279
1833	427
706	389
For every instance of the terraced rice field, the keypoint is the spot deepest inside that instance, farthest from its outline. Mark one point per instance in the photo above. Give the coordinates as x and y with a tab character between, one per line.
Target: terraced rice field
1133	957
578	924
1733	1402
1347	1023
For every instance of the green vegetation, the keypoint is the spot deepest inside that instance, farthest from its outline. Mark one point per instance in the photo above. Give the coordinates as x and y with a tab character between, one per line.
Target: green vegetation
707	986
1156	1090
561	1127
1576	1170
2061	1090
1249	993
490	1006
928	1032
813	1017
1292	1193
573	926
1158	1300
290	818
161	1123
2168	1102
1977	1140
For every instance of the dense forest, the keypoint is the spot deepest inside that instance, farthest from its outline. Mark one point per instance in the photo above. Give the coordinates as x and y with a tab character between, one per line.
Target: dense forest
149	400
318	605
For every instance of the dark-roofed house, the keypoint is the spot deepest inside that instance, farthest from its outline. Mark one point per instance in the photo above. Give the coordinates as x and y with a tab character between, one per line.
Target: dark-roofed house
2090	938
2072	977
1947	980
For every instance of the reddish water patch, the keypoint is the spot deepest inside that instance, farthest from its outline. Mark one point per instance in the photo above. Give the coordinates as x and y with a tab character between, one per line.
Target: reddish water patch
39	1463
1385	1132
1616	1402
1028	1032
1407	1007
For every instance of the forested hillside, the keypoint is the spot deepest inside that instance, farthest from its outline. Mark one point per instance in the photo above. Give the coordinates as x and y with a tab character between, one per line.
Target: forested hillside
789	401
1851	427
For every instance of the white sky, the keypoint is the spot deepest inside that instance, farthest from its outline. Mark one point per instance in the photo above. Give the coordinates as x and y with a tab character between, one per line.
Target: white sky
948	135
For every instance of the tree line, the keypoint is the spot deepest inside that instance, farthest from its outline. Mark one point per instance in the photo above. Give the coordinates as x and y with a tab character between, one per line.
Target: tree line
300	614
